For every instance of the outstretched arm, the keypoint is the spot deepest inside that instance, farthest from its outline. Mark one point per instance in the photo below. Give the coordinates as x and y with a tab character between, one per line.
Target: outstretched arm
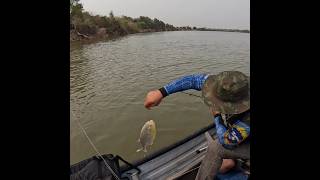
194	81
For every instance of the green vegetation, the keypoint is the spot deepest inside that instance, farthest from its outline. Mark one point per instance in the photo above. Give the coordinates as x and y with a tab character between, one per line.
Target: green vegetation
84	25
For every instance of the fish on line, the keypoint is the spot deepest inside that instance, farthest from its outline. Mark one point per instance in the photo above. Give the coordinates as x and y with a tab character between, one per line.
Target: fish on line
147	135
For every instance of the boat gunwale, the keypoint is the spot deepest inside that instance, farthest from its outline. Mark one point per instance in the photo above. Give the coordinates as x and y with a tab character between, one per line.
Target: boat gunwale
166	149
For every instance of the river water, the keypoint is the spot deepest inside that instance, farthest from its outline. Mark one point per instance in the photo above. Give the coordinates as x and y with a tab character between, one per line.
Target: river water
109	81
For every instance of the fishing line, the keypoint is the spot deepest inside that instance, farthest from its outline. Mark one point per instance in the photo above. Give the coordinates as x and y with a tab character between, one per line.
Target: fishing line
190	94
94	147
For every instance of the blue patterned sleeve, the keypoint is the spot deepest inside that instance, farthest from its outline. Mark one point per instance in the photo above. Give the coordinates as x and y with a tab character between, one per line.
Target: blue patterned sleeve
194	81
232	136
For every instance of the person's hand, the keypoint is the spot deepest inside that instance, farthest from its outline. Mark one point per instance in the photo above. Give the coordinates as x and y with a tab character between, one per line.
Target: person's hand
153	98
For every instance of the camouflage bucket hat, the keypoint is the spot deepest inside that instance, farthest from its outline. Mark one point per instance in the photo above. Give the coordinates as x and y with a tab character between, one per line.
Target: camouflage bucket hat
227	92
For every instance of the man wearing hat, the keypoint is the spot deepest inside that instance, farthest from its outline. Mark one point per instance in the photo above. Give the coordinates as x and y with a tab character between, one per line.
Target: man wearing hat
225	93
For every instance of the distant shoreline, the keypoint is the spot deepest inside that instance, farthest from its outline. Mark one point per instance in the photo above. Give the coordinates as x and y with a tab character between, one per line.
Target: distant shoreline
75	37
88	27
224	30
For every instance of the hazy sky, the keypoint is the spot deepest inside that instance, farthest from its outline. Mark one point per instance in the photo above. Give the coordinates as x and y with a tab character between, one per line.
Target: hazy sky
200	13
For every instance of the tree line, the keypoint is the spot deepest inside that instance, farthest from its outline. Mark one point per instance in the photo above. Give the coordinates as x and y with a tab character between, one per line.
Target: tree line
87	24
84	24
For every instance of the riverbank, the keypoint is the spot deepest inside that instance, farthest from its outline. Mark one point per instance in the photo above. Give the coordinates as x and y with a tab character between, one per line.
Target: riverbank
86	27
102	35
